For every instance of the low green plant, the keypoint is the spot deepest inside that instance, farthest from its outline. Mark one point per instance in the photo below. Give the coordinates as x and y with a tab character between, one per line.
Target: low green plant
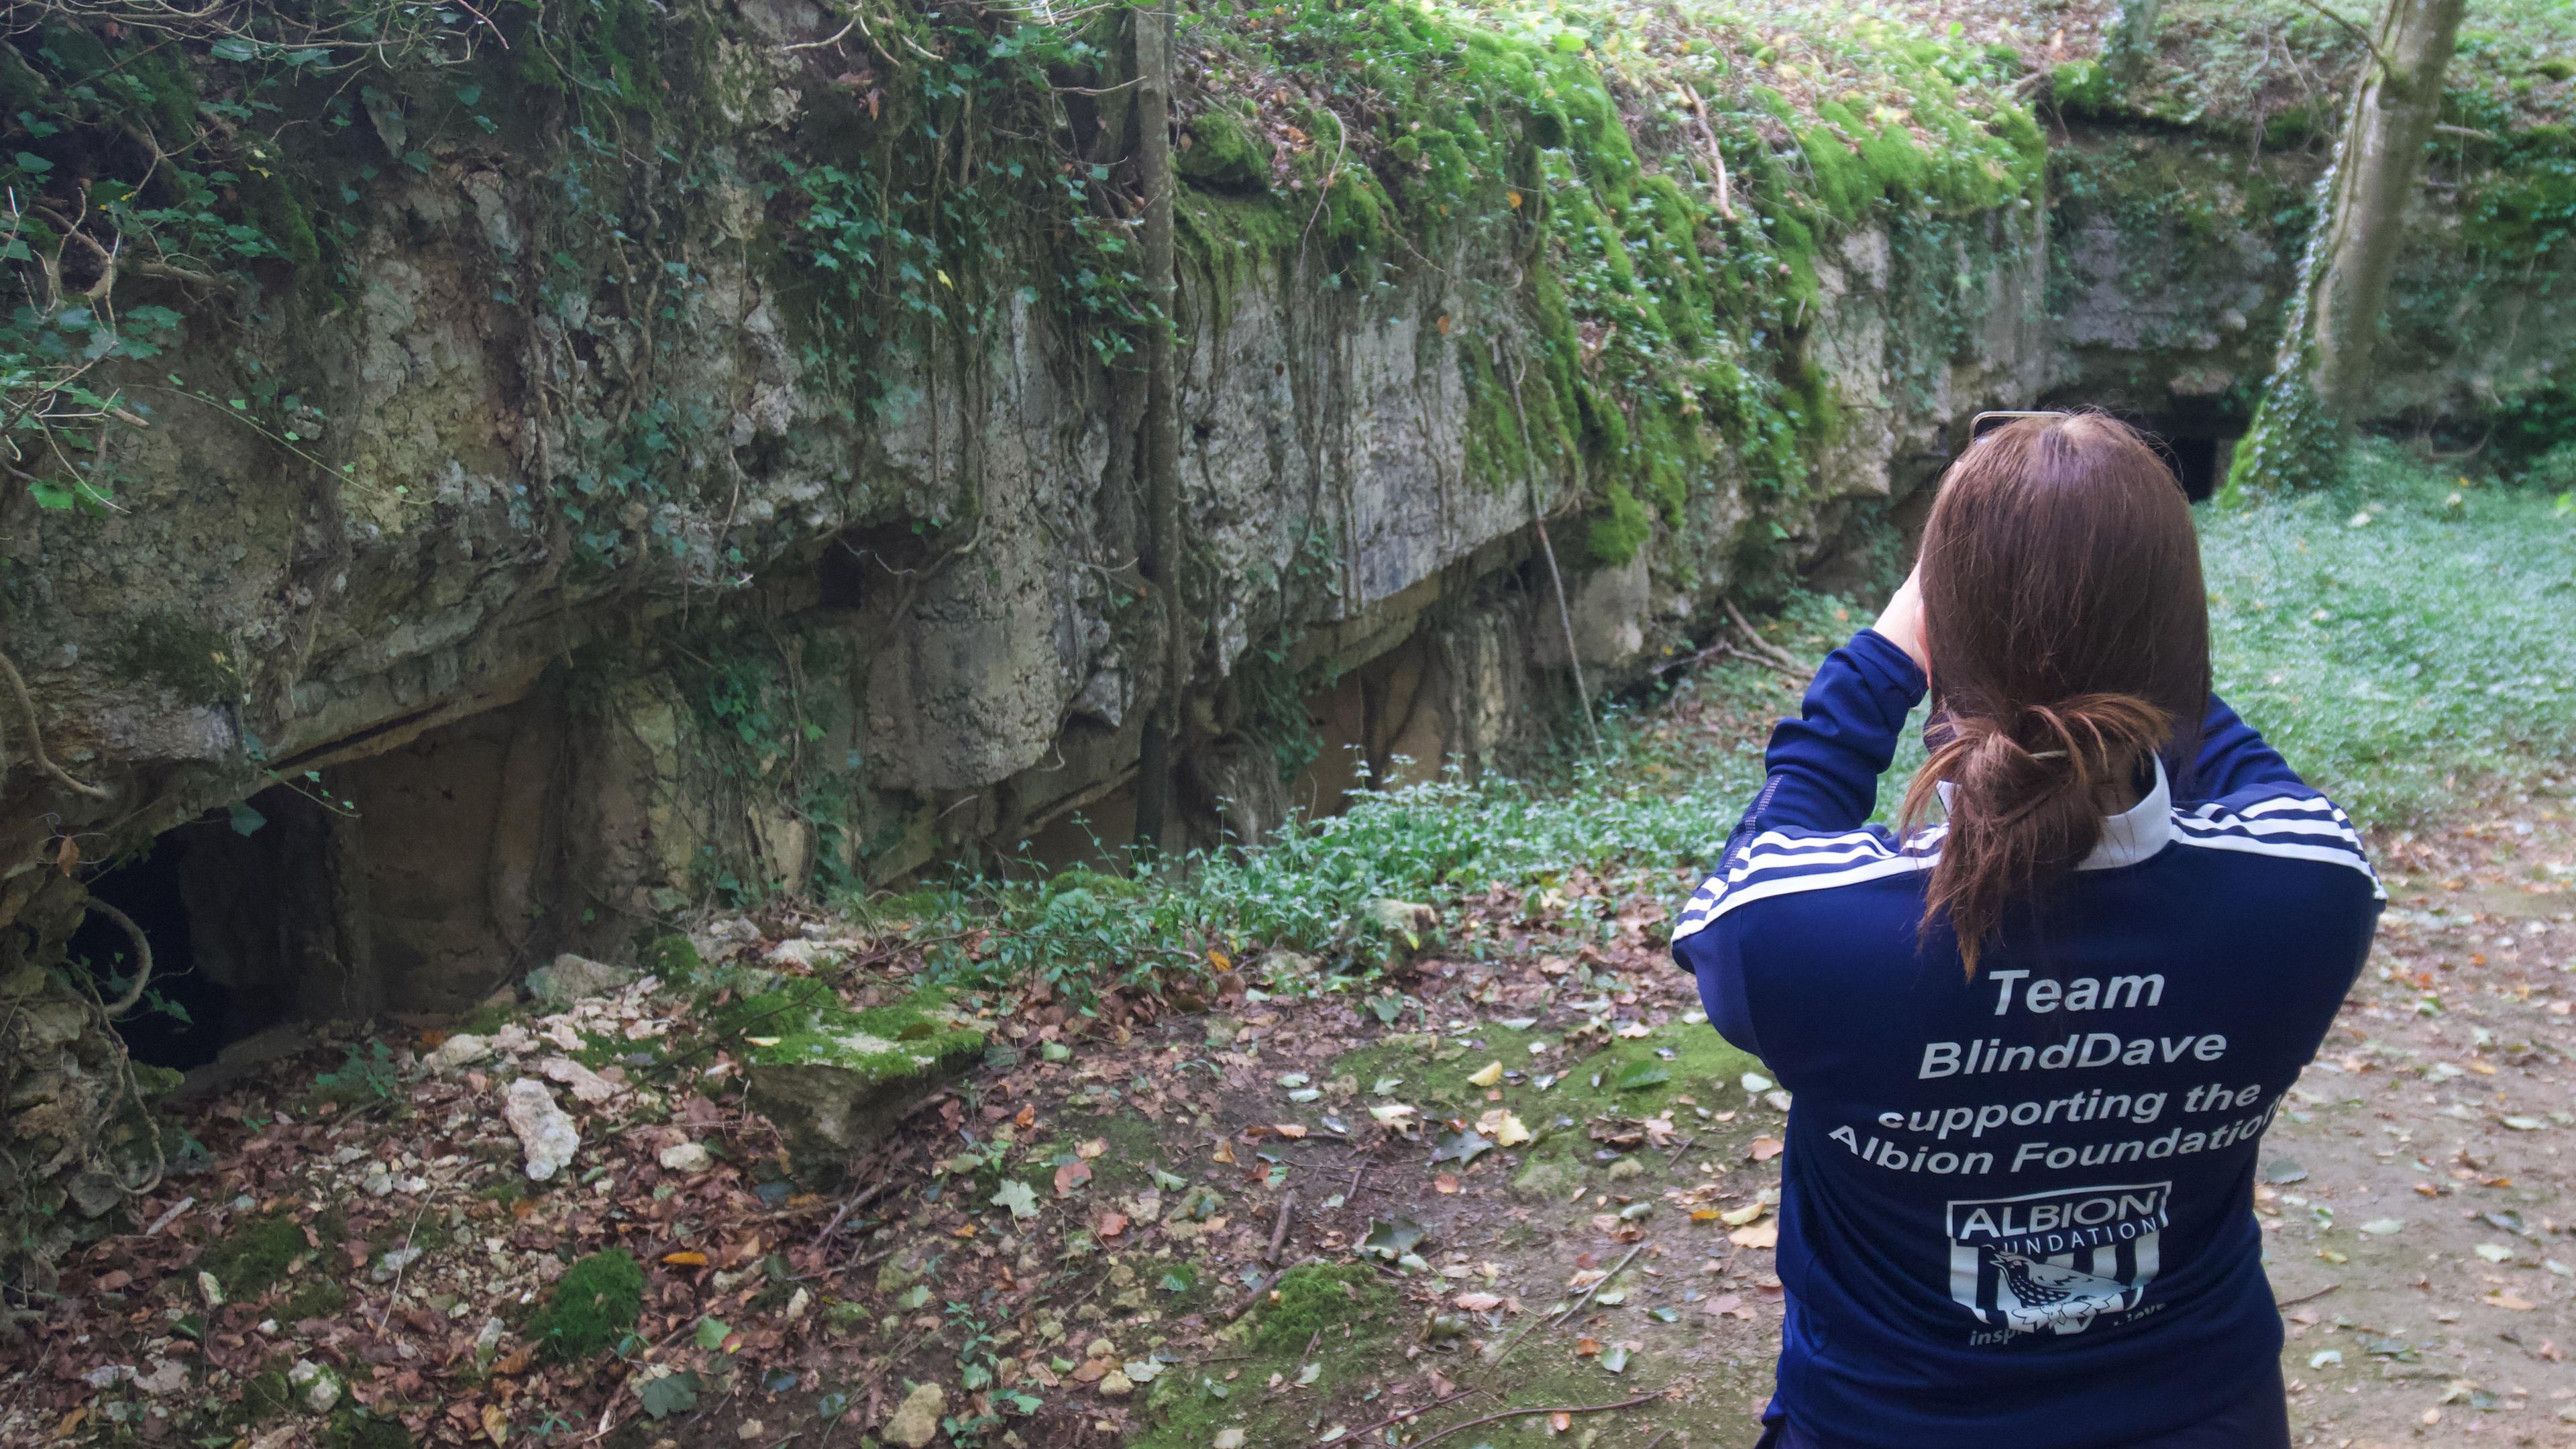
364	1078
594	1307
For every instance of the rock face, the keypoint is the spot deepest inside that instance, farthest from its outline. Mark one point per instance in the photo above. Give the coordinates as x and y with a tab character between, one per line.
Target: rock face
564	612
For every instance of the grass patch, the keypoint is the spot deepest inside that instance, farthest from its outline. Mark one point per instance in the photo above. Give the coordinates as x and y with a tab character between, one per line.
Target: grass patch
1345	1310
2403	637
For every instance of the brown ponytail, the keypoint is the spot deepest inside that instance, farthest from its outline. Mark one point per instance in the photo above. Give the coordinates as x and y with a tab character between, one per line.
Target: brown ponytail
2068	635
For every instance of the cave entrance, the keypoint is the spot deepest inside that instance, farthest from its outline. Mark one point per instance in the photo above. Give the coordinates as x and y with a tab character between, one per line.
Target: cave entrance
409	881
2196	435
245	916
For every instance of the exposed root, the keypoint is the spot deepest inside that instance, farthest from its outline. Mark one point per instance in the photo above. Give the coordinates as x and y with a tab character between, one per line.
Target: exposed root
36	738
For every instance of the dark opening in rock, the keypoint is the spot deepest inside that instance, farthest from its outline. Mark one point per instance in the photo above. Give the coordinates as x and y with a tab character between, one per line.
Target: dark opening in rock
231	905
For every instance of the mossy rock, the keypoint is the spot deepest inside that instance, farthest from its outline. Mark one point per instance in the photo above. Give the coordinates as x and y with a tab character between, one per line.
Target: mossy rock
673	957
595	1305
1223	154
835	1081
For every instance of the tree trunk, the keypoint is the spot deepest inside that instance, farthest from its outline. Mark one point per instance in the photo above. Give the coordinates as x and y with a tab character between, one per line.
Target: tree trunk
1160	452
2321	377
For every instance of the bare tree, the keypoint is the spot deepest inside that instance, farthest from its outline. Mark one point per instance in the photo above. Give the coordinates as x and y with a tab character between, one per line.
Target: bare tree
2321	376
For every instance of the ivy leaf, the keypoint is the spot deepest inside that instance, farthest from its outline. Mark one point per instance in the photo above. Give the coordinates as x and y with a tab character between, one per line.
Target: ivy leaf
1017	1196
669	1394
712	1331
1643	1075
235	49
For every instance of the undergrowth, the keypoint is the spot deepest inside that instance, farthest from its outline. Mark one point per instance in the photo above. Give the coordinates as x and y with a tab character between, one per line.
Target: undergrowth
2401	636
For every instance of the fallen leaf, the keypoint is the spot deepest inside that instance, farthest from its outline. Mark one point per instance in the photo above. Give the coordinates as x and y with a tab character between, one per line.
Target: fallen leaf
1758	1235
1559	1422
684	1260
1506	1128
496	1423
1111	1225
1738	1217
2507	1298
1091	1149
1487	1075
1290	1130
1587	1348
1479	1302
1071	1177
1445	1185
1764	1149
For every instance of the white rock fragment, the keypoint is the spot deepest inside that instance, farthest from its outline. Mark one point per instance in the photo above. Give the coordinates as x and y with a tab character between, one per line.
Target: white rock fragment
316	1387
462	1049
685	1157
587	1085
391	1265
546	1132
569	978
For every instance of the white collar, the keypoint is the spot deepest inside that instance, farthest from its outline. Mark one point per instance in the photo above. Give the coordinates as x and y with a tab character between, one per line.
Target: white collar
2133	835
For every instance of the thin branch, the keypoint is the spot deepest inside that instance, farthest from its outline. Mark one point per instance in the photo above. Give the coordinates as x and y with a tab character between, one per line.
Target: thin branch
2367	43
1525	1413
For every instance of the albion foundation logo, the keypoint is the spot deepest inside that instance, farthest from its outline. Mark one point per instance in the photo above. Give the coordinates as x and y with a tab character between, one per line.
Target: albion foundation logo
2053	1260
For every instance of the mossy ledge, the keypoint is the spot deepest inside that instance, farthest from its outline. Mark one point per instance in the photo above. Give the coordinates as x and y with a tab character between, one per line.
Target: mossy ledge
836	1079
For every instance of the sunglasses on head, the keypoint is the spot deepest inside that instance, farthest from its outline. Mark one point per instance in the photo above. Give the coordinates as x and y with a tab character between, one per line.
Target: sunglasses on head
1984	423
1987	422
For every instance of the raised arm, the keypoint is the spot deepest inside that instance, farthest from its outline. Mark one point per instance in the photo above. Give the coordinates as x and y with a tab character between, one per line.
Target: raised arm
1822	768
2234	757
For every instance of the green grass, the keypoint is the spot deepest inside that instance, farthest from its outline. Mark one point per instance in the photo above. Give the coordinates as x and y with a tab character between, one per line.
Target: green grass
2404	664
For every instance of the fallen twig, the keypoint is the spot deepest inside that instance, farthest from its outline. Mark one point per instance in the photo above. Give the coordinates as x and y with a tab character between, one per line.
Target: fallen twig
1263	1290
854	1202
1676	1159
1759	643
1595	1287
1279	1234
2305	1297
1525	1413
1400	1415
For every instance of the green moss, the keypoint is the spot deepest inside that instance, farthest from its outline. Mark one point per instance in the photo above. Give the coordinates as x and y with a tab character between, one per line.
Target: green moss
594	1306
1224	154
1619	528
319	1296
351	1428
253	1256
804	1023
672	957
166	648
1317	1297
265	1395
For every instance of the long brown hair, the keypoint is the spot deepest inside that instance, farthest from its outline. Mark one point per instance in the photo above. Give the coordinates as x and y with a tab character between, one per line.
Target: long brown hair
2068	633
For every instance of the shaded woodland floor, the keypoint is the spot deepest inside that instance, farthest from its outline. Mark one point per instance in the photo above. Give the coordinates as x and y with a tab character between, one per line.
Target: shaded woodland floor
2416	1204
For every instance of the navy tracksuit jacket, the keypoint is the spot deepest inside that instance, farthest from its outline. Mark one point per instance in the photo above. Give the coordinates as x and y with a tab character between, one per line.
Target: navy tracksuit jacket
2017	1211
